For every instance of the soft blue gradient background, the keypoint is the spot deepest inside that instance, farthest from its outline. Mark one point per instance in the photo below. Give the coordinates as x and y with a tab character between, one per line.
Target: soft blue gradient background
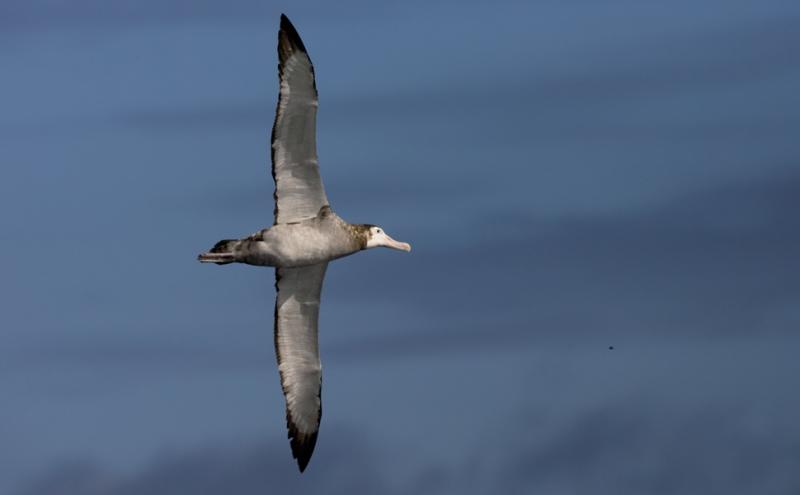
573	175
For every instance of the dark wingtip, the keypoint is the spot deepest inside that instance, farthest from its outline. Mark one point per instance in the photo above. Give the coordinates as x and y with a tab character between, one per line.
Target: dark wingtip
291	34
302	446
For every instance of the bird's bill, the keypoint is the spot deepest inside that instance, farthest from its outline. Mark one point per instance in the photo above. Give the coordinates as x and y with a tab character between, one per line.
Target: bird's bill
400	246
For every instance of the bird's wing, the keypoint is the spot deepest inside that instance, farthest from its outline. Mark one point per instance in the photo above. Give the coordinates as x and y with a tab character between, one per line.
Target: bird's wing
297	348
299	193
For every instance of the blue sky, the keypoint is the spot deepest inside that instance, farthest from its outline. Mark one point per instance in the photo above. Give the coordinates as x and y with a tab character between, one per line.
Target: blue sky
573	176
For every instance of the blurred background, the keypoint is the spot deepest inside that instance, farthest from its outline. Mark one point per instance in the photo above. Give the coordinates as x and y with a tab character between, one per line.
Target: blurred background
603	199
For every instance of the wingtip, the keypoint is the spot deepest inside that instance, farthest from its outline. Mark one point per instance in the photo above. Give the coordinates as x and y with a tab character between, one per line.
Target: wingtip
291	33
302	448
302	443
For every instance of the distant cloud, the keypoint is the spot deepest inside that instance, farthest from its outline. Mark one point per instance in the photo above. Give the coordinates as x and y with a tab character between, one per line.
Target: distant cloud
344	465
629	446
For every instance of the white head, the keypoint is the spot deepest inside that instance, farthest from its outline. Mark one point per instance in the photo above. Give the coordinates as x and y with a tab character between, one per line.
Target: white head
377	237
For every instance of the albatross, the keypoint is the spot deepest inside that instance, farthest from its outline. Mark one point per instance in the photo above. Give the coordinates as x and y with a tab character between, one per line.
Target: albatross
305	236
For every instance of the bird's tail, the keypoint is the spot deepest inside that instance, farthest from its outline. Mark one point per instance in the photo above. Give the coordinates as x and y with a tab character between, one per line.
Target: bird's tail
222	253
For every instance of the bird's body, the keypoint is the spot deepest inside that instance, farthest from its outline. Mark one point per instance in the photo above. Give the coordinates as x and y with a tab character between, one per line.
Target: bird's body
306	235
322	238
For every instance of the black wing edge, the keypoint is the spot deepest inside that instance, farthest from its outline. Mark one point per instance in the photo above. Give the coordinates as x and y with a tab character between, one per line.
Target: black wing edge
288	40
302	444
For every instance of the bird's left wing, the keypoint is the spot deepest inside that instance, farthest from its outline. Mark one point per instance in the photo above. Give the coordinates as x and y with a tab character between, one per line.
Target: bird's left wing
299	193
297	349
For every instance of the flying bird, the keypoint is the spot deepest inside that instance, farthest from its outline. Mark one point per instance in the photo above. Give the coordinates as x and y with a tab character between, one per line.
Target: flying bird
305	236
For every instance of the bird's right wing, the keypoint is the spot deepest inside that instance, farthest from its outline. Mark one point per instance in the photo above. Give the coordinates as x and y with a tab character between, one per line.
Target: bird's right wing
297	349
299	193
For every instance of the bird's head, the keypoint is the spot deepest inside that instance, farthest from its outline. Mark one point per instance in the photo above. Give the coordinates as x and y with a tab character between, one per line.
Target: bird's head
377	237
